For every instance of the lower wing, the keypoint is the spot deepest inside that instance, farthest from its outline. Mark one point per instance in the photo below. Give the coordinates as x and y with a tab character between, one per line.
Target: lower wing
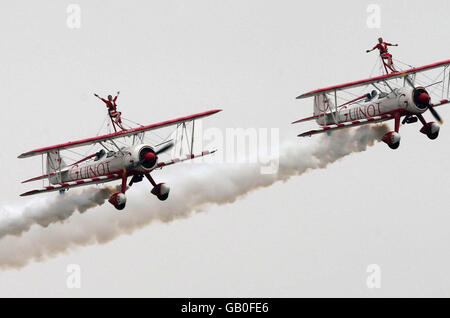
187	157
73	184
440	103
354	123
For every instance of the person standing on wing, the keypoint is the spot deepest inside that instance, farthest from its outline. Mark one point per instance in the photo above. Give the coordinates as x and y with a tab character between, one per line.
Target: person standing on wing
112	109
385	55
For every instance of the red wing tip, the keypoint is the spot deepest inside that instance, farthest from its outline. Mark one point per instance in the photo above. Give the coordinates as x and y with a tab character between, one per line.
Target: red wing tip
29	193
305	95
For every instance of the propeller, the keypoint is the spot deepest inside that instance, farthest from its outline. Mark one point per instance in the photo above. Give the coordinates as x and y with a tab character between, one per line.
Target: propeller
165	148
149	158
424	99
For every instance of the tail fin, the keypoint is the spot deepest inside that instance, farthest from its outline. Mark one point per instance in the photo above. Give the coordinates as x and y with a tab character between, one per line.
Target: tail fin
54	166
322	105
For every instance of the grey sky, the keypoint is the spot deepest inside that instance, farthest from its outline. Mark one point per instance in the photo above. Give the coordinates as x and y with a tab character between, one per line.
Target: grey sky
317	233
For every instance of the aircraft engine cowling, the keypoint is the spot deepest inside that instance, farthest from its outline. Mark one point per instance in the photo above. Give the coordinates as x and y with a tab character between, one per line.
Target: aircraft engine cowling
421	98
143	158
147	158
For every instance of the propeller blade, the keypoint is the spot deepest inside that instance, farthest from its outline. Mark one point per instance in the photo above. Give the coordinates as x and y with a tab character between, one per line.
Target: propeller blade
164	148
435	114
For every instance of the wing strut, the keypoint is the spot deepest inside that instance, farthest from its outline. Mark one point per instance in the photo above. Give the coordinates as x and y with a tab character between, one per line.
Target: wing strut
192	137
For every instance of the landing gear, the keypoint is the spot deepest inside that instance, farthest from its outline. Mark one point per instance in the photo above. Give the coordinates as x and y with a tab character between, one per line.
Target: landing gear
433	136
394	146
430	129
160	190
392	139
119	199
163	197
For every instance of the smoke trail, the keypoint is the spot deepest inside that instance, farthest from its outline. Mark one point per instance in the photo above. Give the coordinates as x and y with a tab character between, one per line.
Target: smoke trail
43	212
193	189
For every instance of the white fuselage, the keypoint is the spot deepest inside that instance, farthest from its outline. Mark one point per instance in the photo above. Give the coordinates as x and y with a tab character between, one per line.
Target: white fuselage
400	100
112	162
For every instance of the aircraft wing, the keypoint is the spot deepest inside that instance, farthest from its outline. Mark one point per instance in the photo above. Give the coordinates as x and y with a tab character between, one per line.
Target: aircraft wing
187	157
119	134
370	120
374	80
73	184
440	103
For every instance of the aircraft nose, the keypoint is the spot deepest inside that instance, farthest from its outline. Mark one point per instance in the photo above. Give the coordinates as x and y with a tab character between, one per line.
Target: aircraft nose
423	98
149	157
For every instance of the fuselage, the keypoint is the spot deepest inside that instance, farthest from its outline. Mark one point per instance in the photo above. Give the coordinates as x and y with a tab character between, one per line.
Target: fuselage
109	163
401	100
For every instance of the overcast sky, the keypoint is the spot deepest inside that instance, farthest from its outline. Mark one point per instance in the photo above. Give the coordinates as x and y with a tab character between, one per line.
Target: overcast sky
317	233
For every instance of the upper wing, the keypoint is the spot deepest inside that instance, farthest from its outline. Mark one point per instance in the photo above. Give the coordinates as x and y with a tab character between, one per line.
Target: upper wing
374	80
119	134
370	120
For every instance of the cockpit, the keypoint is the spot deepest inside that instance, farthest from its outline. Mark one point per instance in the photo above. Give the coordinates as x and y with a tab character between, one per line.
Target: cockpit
99	155
371	96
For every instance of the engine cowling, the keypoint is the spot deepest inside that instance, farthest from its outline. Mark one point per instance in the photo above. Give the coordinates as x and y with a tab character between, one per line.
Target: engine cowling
161	190
118	200
421	98
147	158
143	158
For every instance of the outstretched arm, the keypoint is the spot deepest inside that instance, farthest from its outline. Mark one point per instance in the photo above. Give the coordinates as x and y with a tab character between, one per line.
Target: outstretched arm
115	98
104	100
367	51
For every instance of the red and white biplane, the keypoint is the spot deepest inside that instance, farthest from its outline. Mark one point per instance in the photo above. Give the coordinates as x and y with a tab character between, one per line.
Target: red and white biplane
403	93
117	160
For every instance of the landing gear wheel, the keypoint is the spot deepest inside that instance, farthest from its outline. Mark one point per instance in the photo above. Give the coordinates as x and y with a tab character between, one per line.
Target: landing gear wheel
120	206
163	197
394	146
434	135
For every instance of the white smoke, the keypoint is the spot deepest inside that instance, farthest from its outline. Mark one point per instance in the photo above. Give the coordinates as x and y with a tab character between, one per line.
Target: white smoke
43	212
193	189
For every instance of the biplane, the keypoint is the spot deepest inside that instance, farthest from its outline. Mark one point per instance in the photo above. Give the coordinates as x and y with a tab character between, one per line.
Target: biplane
403	93
124	155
